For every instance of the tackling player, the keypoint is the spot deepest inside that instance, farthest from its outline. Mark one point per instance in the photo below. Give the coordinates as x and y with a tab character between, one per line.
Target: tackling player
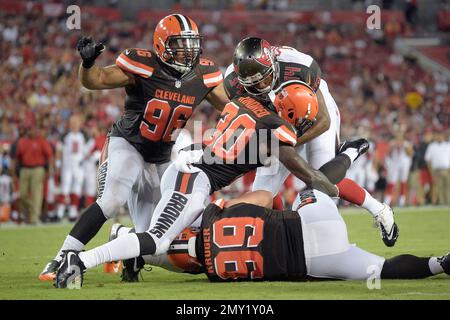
263	71
163	87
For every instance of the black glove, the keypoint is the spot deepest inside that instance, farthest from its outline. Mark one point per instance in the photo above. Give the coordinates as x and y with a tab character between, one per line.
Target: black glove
89	51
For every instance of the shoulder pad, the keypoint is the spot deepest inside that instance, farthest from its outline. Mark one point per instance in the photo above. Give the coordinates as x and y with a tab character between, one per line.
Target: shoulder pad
288	54
136	61
211	74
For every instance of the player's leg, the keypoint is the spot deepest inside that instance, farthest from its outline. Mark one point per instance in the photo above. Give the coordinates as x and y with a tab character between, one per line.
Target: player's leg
141	205
66	181
392	177
358	264
90	183
146	195
120	167
182	201
323	148
405	165
75	192
329	255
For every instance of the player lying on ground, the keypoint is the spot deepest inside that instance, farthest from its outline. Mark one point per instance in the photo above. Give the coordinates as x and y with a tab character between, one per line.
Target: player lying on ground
163	88
248	135
264	71
247	240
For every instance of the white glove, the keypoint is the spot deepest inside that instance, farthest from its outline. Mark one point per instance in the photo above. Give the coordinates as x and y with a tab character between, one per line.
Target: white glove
186	158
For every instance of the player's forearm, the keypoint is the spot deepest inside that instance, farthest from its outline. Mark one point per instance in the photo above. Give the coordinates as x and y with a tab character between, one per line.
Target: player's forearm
302	170
90	78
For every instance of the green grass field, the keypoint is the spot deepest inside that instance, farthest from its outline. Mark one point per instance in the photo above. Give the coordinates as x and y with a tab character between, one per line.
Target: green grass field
424	232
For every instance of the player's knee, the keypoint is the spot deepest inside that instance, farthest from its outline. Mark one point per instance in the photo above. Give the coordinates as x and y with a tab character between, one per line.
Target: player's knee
110	204
114	196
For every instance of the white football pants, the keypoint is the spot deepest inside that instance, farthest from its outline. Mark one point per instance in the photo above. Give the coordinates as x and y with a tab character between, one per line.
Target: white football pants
183	197
124	177
328	252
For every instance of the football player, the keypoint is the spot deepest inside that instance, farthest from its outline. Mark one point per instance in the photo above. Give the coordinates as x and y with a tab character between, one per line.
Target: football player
163	87
398	164
263	71
73	152
247	135
245	239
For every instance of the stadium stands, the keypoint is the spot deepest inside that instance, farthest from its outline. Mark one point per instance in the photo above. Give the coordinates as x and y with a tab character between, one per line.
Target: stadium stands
378	91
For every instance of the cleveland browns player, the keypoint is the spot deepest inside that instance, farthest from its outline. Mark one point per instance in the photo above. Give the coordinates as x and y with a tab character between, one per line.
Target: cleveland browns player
244	239
247	240
163	88
247	136
262	70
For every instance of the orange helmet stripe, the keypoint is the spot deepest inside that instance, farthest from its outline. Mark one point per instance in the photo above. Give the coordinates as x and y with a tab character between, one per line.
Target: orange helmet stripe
285	135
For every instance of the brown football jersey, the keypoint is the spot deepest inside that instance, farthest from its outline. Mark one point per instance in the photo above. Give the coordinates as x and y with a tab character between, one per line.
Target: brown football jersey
160	101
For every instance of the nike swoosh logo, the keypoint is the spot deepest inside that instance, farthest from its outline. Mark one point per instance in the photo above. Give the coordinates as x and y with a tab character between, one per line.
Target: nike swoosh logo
127	52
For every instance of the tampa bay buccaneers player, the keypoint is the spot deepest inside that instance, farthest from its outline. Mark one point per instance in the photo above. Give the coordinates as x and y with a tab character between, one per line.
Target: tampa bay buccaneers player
163	87
247	136
263	71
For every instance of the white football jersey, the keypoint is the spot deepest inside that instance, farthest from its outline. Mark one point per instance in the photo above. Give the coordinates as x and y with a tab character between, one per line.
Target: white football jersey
73	149
294	66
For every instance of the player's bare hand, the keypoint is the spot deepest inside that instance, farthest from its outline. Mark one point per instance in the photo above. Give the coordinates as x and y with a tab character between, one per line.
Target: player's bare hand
89	51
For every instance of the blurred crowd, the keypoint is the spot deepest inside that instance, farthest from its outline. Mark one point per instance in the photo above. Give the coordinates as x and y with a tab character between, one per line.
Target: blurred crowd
383	96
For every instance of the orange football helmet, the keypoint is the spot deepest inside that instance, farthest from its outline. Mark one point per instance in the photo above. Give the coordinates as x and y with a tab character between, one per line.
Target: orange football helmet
177	42
297	104
181	252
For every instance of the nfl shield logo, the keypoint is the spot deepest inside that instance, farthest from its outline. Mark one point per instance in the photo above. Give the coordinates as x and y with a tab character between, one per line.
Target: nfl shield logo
177	84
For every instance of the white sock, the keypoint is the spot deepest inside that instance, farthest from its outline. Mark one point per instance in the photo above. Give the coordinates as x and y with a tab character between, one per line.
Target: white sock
352	153
70	243
125	247
371	204
73	212
123	231
435	266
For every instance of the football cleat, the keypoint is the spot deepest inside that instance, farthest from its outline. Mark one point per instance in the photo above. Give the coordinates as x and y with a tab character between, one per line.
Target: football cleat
388	228
114	266
114	233
445	263
70	272
49	272
361	146
131	269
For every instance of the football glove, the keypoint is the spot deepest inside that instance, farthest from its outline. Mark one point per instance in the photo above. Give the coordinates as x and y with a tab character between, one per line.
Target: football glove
185	158
89	51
